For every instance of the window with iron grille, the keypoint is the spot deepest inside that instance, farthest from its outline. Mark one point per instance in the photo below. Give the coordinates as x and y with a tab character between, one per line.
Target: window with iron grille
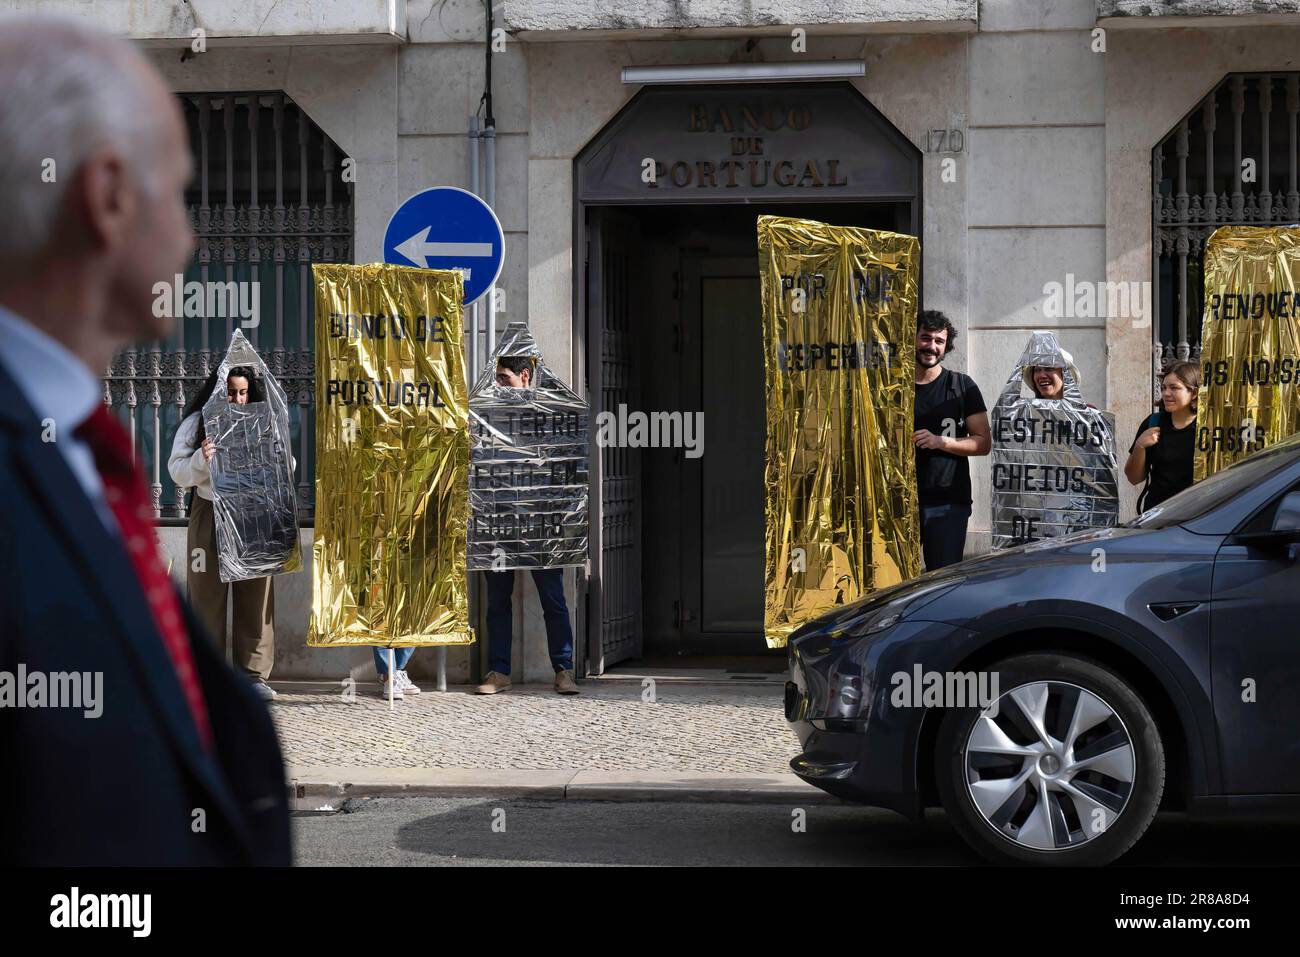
1202	171
268	199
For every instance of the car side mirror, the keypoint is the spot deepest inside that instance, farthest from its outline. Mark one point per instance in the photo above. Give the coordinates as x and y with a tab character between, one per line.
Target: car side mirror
1283	534
1287	517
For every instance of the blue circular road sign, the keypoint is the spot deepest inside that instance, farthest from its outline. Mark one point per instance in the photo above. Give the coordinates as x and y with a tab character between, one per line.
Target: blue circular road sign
448	228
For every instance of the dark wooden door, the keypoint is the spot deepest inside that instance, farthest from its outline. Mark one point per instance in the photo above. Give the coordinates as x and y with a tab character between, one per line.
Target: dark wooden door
722	489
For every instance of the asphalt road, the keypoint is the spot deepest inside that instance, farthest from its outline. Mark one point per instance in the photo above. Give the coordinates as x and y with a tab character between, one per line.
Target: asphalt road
449	832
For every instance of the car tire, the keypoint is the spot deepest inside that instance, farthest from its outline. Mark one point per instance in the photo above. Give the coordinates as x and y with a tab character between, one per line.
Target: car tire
1017	792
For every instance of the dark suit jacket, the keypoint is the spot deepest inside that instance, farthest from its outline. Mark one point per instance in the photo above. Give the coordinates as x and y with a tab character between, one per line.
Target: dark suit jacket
133	786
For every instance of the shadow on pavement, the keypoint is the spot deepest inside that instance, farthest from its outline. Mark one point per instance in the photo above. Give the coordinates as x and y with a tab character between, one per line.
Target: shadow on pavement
655	833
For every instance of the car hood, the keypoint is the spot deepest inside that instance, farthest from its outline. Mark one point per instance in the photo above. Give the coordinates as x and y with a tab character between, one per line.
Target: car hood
1065	550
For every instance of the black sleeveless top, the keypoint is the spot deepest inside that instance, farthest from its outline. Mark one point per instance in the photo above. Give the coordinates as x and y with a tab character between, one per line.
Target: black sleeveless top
1169	461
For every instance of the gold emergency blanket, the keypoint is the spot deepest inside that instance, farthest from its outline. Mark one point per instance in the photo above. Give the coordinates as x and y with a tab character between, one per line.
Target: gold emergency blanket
839	334
1250	344
392	458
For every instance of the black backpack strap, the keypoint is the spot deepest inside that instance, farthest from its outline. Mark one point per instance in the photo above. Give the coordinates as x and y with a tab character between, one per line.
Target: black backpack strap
1152	421
953	392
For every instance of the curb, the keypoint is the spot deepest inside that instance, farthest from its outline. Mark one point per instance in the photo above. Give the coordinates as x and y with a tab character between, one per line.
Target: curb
325	789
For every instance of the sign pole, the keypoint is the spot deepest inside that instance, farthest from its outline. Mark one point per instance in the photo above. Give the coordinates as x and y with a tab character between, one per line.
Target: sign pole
392	676
446	227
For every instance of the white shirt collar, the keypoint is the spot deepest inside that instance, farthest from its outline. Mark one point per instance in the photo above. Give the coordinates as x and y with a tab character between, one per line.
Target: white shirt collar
58	385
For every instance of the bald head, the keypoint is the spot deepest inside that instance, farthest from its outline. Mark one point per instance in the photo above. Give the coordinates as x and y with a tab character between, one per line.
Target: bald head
93	165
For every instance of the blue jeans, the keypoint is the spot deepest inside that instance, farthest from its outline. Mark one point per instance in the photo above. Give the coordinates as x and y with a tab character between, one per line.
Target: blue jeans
500	618
943	534
400	657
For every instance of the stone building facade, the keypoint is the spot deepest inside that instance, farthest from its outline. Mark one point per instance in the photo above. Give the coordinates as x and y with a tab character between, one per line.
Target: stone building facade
1031	128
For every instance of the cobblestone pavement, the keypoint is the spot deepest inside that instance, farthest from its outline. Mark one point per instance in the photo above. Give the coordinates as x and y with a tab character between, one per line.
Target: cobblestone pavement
691	727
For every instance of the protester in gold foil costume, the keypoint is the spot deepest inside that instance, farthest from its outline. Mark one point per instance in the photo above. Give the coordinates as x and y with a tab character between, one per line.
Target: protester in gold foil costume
1163	451
1250	344
839	316
252	632
392	469
951	425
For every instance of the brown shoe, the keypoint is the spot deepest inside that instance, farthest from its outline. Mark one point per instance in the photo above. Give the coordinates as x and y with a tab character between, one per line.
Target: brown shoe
564	683
493	682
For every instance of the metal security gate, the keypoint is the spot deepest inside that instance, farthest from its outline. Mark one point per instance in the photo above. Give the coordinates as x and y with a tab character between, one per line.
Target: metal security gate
1230	161
615	585
269	199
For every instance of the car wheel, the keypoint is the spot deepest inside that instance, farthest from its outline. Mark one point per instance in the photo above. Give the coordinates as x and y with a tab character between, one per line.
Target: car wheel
1064	766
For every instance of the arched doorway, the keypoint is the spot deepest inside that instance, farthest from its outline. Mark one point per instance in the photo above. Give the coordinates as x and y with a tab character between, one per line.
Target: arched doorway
666	198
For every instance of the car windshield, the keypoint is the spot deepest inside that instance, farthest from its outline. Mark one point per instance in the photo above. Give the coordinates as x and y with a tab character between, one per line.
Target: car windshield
1196	501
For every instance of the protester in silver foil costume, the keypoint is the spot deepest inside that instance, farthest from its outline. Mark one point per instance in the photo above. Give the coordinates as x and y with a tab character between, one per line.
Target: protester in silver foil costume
528	496
1054	469
257	517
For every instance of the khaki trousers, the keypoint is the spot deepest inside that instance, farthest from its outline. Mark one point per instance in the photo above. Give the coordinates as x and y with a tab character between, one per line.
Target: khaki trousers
253	621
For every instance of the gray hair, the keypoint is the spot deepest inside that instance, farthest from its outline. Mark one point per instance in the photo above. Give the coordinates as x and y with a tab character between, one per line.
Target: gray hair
67	89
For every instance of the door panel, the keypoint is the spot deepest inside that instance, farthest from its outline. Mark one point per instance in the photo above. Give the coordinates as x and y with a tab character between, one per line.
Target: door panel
731	484
1255	645
722	490
614	593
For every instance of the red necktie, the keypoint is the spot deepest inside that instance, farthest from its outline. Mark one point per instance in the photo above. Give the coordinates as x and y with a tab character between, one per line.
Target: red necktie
128	497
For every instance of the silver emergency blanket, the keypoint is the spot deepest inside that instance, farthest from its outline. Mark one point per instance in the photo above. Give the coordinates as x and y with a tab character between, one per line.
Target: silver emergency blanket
254	505
528	466
1054	468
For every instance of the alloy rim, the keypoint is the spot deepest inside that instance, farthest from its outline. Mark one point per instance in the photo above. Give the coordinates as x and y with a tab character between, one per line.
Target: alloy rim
1049	765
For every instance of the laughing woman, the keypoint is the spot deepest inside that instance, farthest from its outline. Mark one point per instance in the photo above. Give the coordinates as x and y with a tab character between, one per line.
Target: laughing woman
253	621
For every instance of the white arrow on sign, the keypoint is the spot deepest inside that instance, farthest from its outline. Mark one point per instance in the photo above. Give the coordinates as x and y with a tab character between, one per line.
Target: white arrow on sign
418	248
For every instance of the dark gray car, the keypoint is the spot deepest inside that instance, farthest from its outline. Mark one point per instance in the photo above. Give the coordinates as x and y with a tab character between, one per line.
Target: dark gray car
1054	696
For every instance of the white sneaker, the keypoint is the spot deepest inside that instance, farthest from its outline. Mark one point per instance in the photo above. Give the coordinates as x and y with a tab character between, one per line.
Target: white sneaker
405	683
383	688
264	690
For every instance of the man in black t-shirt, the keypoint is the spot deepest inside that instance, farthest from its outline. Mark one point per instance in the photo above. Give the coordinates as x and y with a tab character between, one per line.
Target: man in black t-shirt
952	424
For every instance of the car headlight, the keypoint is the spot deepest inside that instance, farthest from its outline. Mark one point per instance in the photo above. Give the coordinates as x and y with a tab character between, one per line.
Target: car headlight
890	613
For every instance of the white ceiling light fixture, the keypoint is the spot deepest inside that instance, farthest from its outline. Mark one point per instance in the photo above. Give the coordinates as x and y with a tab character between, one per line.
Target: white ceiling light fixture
744	72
